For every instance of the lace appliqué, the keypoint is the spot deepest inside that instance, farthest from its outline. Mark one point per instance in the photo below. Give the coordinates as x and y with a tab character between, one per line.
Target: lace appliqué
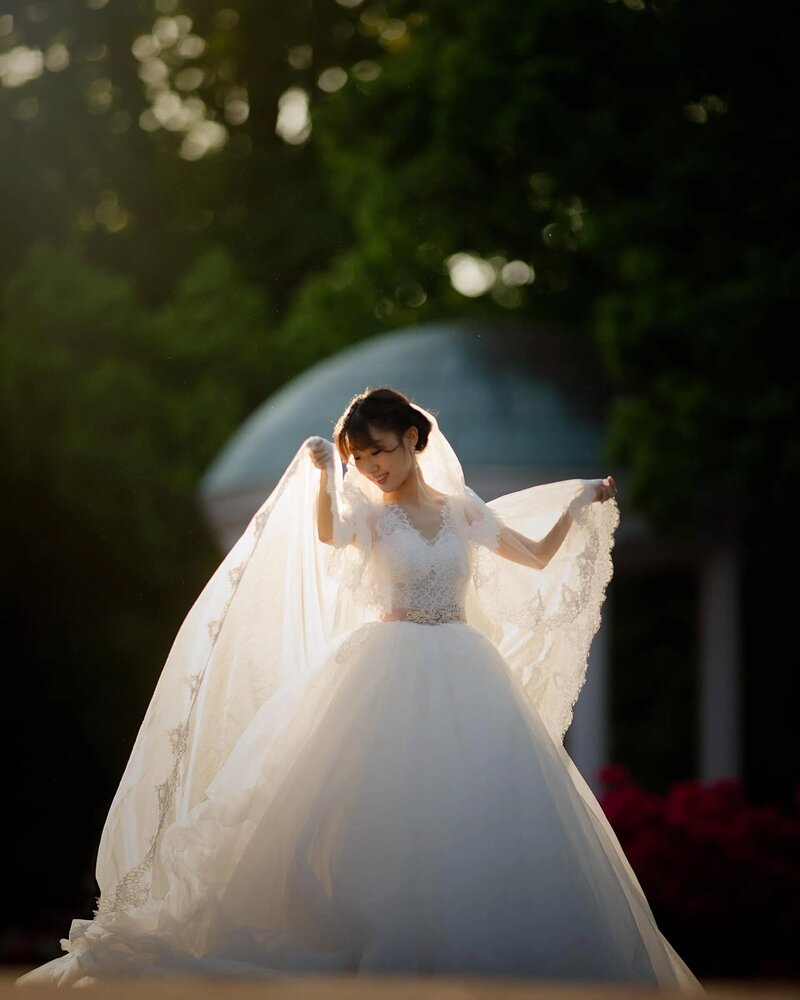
428	575
446	517
484	526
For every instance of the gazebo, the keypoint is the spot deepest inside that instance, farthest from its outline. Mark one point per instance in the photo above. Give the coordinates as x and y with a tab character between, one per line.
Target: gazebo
521	406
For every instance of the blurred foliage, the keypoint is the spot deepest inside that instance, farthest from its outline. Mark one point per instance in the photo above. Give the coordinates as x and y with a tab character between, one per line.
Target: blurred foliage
111	414
110	411
608	145
178	237
611	146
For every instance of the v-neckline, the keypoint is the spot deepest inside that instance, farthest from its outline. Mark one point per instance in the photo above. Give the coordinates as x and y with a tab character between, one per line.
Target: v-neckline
414	528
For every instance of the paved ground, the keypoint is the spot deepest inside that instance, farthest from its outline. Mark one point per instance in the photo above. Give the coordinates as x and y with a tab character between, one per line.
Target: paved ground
384	988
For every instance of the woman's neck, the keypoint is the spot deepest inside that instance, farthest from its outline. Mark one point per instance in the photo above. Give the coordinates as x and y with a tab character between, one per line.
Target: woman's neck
412	492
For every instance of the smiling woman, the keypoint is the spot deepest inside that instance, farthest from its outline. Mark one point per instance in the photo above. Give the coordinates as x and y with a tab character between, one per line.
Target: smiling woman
354	758
380	433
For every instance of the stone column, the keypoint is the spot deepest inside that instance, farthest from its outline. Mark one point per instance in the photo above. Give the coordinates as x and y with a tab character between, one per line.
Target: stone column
720	740
587	740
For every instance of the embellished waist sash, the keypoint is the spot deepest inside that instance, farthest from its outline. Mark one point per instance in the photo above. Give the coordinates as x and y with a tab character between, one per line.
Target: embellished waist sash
426	616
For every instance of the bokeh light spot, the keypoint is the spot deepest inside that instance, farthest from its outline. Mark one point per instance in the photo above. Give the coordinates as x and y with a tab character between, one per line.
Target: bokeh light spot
366	70
20	65
153	70
145	46
332	79
517	272
190	78
166	31
392	30
470	275
237	108
56	57
205	137
148	121
110	214
300	56
294	122
412	295
190	46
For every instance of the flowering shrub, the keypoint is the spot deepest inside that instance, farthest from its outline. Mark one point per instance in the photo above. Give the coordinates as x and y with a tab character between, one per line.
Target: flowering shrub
722	876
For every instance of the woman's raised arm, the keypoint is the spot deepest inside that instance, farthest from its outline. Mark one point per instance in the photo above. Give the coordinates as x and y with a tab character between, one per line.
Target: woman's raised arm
537	553
322	453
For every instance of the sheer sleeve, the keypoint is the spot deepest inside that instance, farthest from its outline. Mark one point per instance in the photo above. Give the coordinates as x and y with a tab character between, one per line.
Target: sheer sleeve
350	508
483	526
487	531
359	516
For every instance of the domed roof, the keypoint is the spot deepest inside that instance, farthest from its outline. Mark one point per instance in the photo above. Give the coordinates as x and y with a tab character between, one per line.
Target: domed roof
519	406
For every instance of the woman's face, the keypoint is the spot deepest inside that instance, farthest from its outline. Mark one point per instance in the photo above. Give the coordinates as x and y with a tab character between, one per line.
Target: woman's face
389	461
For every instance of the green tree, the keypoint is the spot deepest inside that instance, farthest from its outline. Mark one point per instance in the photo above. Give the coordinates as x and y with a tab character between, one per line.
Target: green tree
111	413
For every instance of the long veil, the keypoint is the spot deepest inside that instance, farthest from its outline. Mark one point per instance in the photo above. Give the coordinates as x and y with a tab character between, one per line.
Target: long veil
261	628
265	622
280	600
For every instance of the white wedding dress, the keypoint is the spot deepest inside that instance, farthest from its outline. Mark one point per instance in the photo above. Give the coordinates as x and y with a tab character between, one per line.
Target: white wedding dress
400	809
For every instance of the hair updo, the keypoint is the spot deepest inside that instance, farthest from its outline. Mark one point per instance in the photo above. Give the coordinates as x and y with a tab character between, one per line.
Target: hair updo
385	409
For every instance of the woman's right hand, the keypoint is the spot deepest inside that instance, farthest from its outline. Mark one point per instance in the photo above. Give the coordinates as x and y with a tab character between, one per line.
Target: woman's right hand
321	452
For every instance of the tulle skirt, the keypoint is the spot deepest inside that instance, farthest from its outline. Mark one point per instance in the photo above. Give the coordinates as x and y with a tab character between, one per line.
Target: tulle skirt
403	810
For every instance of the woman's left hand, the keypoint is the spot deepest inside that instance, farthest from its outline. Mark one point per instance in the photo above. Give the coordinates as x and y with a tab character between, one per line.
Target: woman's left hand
606	489
594	491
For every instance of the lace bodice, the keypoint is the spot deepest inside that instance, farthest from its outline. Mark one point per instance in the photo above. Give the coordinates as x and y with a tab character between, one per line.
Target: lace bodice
427	574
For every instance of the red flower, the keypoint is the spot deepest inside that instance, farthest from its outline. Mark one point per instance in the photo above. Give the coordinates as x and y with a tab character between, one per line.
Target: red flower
725	871
613	775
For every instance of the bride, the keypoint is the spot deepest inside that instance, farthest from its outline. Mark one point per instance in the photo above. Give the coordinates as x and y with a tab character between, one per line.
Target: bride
353	760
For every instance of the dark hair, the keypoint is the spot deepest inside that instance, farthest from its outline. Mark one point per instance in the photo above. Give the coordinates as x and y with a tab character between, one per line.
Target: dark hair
384	408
